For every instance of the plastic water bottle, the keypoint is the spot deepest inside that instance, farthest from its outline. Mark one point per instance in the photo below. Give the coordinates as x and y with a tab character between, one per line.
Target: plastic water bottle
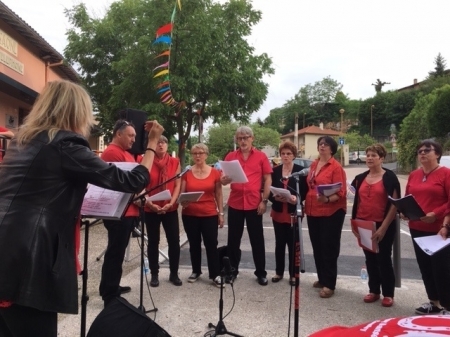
146	266
364	274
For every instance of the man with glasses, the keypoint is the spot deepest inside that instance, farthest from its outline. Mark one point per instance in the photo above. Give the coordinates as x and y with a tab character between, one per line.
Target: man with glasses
119	232
248	202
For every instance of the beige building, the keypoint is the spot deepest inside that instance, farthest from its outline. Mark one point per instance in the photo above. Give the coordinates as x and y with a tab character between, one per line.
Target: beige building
307	139
27	63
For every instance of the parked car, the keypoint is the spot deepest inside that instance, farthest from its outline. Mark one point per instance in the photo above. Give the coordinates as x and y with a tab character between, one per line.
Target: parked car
357	157
303	162
445	161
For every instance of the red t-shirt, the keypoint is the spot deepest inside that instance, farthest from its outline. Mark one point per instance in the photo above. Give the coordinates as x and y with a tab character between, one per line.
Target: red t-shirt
172	166
247	196
432	195
115	153
206	205
372	201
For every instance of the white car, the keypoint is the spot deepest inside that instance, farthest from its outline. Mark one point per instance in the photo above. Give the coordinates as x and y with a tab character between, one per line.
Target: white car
357	157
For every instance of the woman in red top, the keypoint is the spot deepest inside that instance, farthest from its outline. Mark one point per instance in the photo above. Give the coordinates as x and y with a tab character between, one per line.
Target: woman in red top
372	189
165	212
430	186
325	214
204	217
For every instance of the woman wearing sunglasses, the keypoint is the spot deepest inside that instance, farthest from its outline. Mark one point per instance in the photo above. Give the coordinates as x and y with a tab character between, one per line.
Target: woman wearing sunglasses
430	186
325	214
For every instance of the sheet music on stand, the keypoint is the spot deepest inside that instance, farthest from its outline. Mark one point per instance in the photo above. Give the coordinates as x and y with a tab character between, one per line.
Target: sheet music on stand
107	204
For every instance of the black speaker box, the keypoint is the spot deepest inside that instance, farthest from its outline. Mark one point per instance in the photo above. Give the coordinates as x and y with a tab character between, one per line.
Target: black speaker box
138	118
121	319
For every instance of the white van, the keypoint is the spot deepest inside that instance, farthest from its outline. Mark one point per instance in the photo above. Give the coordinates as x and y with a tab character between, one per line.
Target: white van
445	161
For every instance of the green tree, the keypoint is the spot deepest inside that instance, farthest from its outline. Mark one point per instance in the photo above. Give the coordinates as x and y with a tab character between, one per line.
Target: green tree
413	130
213	68
439	69
439	111
318	102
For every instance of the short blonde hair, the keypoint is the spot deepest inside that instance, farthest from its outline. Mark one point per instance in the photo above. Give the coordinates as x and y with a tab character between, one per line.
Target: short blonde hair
200	146
62	105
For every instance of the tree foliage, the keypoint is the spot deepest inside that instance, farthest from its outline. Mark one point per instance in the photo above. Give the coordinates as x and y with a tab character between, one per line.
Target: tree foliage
439	111
439	69
318	102
413	130
213	68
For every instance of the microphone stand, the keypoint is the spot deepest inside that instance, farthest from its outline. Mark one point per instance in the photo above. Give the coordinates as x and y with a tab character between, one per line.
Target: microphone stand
299	255
141	197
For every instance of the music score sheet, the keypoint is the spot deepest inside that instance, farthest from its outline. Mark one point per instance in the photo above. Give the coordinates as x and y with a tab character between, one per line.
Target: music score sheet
107	204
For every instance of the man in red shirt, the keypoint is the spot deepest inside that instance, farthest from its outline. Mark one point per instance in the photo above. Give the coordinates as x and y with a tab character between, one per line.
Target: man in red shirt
248	202
119	232
6	133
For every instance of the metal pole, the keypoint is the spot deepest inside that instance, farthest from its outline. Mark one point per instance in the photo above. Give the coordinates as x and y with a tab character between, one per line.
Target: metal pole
396	255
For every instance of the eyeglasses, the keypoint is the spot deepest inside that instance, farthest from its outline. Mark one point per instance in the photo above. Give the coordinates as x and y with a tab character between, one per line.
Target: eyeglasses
162	142
285	153
425	150
197	153
245	138
323	144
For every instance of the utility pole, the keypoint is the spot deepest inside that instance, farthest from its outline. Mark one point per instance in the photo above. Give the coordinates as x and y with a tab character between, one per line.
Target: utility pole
296	133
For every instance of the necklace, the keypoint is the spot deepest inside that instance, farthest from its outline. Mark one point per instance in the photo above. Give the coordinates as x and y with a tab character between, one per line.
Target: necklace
425	176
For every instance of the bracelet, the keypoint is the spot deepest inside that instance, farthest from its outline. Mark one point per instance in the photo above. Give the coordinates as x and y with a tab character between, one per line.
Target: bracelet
150	149
446	225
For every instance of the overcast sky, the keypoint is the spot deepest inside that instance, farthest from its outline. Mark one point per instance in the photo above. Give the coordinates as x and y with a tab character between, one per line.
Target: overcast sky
353	41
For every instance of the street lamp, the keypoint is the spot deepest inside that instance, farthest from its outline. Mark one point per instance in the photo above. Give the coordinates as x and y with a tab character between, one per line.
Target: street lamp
371	120
342	132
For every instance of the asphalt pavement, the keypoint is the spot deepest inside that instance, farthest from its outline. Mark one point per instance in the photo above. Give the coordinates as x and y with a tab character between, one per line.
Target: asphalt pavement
251	309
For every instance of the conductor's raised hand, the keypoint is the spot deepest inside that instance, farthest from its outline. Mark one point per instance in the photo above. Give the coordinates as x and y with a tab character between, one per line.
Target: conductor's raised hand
154	129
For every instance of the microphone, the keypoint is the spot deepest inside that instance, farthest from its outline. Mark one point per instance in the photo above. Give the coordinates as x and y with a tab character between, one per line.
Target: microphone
227	265
186	170
301	173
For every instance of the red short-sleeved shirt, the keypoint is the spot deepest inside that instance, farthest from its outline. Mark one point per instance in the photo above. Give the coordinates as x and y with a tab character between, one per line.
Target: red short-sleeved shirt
247	196
115	153
206	205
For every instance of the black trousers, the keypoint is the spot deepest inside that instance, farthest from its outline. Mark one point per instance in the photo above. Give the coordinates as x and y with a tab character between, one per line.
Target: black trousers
118	237
20	321
379	265
207	228
284	236
325	235
171	227
236	219
435	270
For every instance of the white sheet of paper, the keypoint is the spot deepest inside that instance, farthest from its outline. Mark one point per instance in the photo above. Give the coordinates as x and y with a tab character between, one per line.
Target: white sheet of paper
233	170
164	195
189	196
431	244
282	192
127	166
365	236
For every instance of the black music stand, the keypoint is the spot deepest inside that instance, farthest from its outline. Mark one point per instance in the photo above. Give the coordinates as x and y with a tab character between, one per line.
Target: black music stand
141	198
84	273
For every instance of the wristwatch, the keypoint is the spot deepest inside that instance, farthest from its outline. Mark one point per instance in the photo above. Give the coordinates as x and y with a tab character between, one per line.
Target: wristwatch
265	201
